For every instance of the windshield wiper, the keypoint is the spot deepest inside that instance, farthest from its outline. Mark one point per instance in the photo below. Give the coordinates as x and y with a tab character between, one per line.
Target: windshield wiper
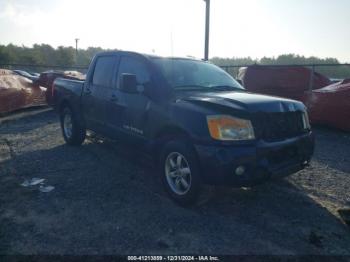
226	88
191	87
208	88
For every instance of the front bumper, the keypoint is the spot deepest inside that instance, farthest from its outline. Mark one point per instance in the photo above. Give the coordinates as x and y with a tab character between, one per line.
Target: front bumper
261	160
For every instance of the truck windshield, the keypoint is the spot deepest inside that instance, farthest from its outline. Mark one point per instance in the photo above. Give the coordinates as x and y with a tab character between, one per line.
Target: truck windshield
186	74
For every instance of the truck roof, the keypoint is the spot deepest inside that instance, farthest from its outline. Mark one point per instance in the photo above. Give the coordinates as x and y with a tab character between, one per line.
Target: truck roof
150	56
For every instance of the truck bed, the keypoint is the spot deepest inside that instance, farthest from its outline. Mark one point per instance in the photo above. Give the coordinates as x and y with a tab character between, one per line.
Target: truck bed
67	89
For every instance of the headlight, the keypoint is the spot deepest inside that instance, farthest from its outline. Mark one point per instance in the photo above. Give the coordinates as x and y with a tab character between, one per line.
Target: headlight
306	122
223	127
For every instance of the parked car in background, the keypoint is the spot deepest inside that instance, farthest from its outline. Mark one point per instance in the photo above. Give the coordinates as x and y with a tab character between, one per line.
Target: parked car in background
18	92
198	123
336	80
31	76
330	105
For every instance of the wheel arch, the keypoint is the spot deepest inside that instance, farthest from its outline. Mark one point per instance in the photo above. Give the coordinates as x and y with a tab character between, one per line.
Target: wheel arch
64	103
168	133
76	110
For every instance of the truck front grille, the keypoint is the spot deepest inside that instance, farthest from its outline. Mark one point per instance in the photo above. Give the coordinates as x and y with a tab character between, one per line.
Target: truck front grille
277	126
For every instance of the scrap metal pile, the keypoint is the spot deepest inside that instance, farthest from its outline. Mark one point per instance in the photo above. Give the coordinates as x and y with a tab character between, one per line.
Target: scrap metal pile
328	103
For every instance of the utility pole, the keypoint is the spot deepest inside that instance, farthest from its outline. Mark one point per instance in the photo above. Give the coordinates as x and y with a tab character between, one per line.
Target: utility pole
207	23
76	49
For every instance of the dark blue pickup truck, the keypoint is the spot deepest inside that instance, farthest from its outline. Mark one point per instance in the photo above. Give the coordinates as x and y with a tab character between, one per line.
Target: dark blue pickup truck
198	123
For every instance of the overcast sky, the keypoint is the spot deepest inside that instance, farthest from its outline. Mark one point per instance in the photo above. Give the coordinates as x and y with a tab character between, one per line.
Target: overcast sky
239	28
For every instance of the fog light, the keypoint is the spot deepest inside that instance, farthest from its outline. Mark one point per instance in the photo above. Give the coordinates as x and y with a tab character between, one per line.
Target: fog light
240	170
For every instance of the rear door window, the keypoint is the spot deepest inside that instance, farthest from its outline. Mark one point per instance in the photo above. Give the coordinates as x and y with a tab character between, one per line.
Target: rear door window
103	72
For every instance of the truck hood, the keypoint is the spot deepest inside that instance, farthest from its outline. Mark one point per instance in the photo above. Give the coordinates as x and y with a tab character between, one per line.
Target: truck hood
245	101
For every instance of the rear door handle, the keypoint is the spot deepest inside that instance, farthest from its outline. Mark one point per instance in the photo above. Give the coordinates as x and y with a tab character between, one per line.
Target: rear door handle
114	98
88	91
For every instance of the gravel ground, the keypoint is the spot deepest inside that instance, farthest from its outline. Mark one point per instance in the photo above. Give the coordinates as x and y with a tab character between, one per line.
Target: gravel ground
107	200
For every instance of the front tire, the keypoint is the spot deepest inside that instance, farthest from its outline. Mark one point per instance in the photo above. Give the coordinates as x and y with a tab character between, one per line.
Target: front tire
73	130
179	170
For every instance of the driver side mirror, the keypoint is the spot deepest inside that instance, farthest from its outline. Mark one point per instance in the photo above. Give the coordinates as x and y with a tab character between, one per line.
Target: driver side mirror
128	83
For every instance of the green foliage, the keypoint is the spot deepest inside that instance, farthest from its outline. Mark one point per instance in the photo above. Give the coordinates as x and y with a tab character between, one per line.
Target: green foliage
43	54
4	55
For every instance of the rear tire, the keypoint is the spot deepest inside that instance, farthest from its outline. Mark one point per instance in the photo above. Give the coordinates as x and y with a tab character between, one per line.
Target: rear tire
180	172
73	130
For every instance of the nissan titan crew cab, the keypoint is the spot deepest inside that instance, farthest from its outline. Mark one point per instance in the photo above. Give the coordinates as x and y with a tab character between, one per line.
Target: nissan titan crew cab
198	123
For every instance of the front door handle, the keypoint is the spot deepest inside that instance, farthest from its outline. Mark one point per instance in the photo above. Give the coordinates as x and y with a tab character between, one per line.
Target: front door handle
88	91
114	98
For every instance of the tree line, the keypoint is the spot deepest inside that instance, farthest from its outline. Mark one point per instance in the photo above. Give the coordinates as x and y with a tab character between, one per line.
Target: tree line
44	54
67	57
